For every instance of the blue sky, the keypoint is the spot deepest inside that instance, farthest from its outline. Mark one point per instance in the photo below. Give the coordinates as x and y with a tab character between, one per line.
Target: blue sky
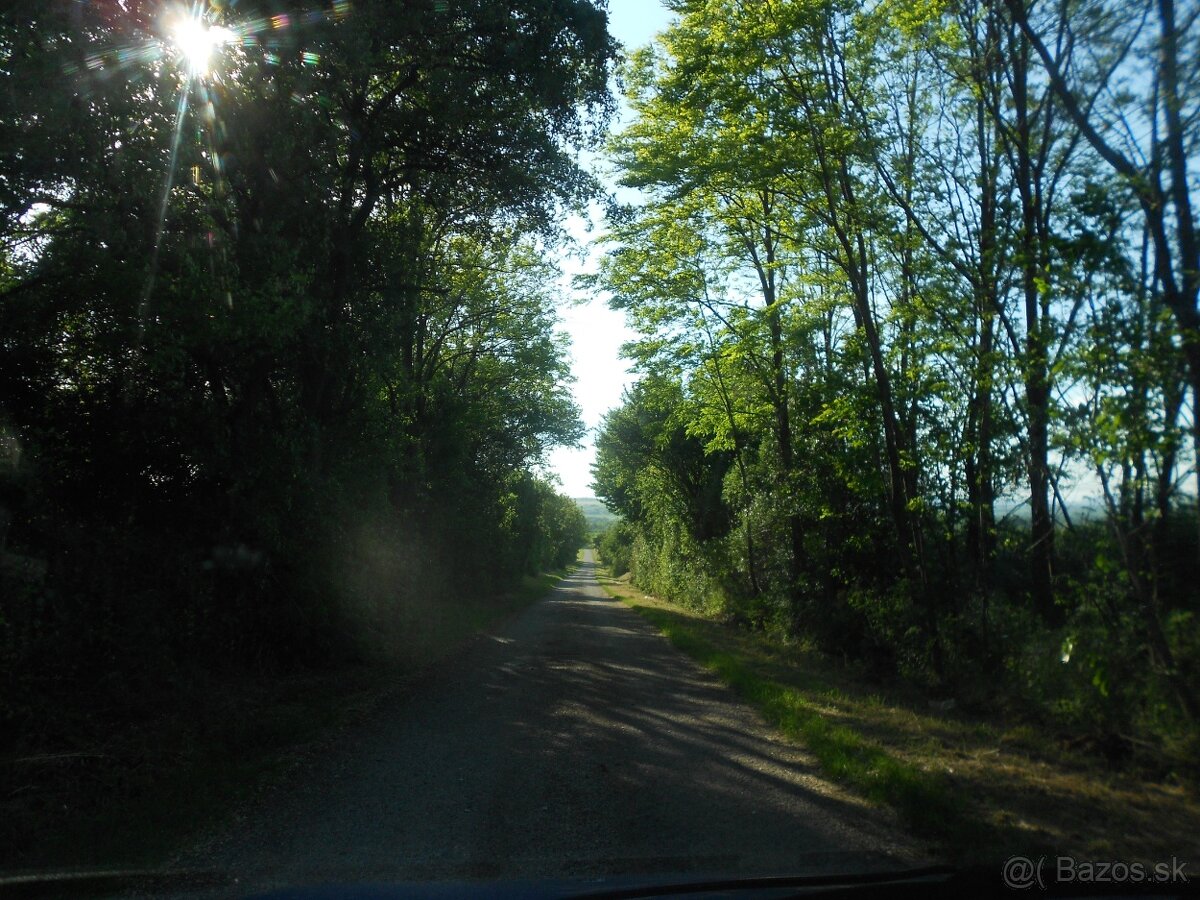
634	22
596	331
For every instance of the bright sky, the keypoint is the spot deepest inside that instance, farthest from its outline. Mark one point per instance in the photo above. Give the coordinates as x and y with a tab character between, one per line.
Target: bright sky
596	331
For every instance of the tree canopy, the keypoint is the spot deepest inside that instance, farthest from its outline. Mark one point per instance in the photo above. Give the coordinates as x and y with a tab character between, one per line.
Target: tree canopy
904	279
278	330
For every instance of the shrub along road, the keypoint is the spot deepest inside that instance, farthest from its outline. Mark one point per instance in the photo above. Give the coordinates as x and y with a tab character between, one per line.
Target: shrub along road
574	742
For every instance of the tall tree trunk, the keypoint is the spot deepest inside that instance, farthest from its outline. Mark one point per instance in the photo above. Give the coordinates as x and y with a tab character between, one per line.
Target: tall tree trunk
787	453
1035	366
981	498
899	495
739	455
780	391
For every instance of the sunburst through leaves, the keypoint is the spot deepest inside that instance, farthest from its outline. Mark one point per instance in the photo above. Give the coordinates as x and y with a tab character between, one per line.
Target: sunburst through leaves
207	42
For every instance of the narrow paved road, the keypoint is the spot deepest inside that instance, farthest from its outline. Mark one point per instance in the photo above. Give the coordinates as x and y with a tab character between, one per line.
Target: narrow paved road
574	742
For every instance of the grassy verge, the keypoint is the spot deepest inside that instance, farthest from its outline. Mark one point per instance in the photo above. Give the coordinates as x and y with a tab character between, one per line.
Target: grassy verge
977	789
921	798
140	794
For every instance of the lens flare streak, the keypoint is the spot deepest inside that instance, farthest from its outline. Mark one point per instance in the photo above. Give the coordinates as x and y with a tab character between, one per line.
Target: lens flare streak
191	36
152	274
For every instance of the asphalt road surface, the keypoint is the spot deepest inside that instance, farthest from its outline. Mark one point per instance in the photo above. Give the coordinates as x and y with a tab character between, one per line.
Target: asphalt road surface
574	742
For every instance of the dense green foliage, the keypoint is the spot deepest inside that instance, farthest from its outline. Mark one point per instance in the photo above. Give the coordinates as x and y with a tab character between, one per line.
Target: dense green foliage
903	277
278	349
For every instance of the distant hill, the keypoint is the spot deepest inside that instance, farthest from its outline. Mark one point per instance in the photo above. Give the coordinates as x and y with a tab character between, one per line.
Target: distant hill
597	514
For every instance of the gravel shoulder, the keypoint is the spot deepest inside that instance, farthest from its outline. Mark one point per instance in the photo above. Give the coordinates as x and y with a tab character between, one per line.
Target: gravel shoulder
573	742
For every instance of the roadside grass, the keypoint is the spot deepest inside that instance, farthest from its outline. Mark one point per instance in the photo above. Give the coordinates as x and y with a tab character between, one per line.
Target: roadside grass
921	798
133	798
978	789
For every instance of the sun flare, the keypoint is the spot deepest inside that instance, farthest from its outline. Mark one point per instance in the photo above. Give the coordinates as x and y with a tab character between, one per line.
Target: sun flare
196	41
